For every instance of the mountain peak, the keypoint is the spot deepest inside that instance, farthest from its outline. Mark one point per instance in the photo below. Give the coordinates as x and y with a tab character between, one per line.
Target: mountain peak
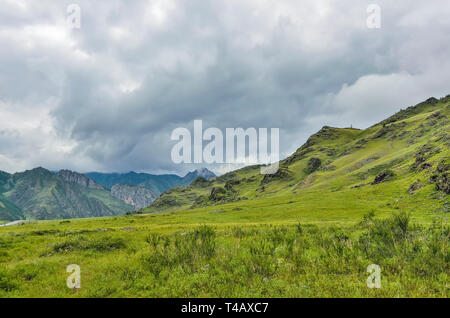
40	170
201	172
204	172
80	179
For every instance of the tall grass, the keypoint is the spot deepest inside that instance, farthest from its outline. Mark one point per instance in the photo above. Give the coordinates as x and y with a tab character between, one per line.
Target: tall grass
301	260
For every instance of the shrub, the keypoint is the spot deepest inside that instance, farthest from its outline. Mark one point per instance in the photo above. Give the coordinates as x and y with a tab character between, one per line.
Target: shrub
102	244
185	249
7	282
203	240
313	165
153	239
238	232
384	237
299	228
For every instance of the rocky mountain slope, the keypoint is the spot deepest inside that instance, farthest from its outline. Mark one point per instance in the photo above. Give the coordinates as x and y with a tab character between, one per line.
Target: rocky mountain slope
41	194
8	210
137	196
78	178
401	162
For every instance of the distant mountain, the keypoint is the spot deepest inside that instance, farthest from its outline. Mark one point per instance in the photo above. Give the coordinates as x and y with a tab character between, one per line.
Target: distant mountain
191	176
81	180
155	183
137	196
41	194
9	211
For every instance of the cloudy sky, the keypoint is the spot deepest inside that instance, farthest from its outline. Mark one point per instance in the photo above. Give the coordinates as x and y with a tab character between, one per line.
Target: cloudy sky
107	96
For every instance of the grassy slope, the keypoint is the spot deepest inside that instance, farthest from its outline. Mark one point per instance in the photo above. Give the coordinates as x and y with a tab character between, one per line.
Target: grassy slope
341	189
258	249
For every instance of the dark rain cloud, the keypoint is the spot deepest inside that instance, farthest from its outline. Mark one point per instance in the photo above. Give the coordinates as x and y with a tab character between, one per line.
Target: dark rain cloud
107	96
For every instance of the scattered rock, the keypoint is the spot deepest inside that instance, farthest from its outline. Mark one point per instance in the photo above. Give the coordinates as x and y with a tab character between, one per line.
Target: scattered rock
384	176
230	183
414	187
299	154
425	166
432	100
441	177
218	194
200	182
283	173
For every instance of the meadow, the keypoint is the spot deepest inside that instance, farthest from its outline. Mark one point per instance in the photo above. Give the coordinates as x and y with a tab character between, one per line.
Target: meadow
171	255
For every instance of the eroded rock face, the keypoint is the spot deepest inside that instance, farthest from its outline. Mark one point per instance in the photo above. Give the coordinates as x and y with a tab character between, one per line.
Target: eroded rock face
80	179
384	176
282	173
218	194
137	196
414	187
441	177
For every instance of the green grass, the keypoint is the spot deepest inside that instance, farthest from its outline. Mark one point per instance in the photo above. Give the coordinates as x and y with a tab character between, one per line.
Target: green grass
147	256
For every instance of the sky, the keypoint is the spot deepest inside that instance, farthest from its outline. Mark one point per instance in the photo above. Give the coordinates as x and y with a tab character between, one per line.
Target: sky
106	96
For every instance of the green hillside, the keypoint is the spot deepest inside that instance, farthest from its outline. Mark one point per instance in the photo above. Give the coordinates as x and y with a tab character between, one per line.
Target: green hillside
400	163
41	195
9	211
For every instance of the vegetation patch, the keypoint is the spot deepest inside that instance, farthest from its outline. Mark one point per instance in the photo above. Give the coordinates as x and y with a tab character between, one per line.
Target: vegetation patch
200	182
84	243
7	281
313	165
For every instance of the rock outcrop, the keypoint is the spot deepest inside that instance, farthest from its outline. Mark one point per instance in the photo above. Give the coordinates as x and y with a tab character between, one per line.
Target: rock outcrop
138	197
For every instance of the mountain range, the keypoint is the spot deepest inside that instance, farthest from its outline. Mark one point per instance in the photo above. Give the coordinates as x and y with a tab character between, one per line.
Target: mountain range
42	194
156	183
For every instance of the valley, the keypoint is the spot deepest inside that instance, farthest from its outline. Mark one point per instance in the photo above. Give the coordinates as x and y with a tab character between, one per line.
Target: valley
346	199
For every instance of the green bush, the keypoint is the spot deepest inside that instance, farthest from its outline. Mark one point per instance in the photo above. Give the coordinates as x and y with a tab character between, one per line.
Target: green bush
7	282
83	243
313	165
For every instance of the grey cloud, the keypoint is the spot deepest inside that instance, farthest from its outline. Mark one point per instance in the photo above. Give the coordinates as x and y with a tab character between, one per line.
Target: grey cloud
134	72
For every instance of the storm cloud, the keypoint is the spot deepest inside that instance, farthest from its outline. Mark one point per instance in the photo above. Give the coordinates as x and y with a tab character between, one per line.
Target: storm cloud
107	96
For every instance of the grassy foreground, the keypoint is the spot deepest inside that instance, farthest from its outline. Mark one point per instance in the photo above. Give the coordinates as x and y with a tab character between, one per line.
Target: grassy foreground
151	256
